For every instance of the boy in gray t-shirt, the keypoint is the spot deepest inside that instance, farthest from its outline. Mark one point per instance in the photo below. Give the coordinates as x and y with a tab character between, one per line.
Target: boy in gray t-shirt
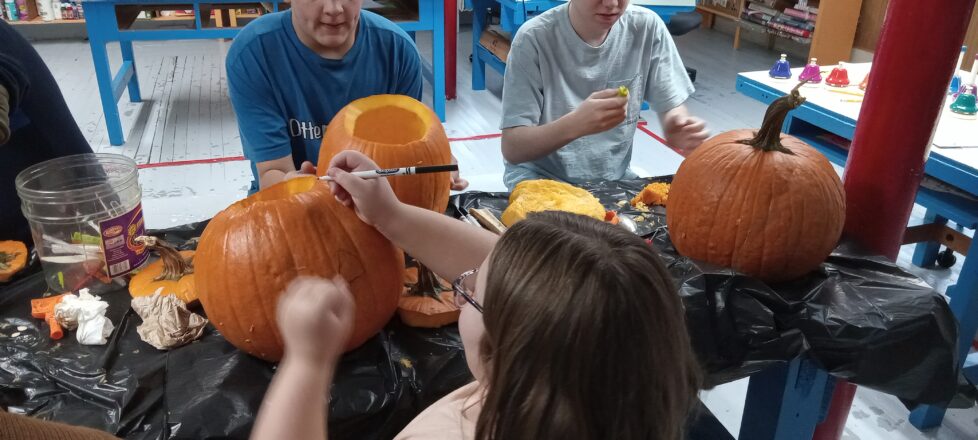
563	118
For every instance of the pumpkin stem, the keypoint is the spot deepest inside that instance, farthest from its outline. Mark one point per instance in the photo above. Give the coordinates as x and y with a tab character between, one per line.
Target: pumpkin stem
768	138
428	284
175	266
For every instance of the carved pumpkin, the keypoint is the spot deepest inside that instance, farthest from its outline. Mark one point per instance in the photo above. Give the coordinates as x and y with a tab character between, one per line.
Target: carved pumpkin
763	203
395	131
173	272
13	258
251	251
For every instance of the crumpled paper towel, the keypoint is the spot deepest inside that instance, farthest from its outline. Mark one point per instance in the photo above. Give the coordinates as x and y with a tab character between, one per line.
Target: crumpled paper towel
86	313
166	321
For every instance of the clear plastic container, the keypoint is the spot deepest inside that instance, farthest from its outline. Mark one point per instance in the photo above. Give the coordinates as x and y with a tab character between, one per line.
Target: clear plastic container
84	212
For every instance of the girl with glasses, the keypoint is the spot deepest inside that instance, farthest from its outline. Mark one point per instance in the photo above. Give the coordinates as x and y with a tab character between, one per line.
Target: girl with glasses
572	328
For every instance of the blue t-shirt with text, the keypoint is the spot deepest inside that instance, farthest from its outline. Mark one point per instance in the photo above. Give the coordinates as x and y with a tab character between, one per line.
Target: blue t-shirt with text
284	94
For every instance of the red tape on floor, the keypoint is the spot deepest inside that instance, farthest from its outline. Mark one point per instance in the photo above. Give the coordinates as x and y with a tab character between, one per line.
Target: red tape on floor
641	126
190	162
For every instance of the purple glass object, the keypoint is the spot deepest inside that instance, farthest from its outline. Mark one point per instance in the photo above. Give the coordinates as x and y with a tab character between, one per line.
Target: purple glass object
781	69
812	73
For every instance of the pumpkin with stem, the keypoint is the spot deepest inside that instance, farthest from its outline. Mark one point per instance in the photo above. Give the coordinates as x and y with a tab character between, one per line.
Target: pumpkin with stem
251	251
13	259
173	272
399	131
427	301
762	203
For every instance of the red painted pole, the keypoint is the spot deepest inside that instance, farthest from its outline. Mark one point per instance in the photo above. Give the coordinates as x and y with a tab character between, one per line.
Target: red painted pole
912	67
451	47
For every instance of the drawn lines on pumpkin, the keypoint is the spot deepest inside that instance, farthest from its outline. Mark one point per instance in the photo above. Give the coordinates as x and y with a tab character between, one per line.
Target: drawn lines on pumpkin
363	308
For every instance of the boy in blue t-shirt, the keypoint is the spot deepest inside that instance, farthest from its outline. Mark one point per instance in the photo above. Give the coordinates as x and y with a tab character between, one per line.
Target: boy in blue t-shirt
290	72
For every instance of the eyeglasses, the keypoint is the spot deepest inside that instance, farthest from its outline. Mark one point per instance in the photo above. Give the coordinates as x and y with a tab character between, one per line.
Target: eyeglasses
461	296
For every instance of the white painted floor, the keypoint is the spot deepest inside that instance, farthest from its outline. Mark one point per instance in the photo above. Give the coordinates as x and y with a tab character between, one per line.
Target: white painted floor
186	115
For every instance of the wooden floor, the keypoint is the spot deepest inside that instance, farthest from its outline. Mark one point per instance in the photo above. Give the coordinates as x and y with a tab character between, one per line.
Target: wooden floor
186	115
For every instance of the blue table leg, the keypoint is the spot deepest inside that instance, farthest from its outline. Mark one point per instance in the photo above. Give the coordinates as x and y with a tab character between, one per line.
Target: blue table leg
925	254
438	59
127	55
103	75
964	305
478	25
786	402
100	21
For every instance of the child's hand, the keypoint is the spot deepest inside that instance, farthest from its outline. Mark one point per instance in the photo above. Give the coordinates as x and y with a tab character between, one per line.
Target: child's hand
315	317
685	132
458	183
305	169
602	111
373	199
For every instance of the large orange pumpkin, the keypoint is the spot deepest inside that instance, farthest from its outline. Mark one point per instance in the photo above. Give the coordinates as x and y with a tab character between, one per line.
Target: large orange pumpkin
252	250
395	131
763	203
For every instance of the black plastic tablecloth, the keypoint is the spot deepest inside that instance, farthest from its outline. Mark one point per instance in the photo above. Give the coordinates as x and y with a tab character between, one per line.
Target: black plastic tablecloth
859	316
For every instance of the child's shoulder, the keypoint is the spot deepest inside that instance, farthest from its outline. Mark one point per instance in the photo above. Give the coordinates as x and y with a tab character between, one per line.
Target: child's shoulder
639	17
452	417
544	24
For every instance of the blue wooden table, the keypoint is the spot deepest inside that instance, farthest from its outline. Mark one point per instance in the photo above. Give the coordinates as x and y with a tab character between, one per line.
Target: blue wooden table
513	13
107	21
828	124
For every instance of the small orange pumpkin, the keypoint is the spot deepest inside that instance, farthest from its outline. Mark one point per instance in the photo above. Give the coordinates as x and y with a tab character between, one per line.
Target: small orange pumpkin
251	251
763	203
428	302
395	131
173	272
13	259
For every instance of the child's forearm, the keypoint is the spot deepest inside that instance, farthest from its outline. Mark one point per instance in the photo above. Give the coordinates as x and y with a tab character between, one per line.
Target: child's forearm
295	404
447	246
523	144
670	115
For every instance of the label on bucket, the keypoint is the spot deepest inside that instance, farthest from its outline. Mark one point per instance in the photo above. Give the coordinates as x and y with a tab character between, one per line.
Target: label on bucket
122	253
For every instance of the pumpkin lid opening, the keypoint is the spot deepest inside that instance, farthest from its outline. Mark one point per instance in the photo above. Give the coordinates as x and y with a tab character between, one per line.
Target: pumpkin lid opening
279	191
388	119
390	125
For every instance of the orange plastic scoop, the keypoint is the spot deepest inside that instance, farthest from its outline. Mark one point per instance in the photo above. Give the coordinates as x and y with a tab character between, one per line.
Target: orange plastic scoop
43	308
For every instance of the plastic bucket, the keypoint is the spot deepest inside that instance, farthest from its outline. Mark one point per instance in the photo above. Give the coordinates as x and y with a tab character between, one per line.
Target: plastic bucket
84	212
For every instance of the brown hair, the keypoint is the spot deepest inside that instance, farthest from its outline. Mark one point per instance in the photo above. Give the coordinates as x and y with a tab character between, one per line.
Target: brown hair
585	336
